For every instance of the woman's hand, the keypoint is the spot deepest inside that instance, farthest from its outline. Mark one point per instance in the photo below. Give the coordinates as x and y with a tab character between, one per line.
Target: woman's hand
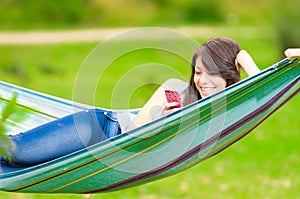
169	108
244	60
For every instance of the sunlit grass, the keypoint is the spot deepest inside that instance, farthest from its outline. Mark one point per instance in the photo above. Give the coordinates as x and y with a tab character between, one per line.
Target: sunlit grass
265	164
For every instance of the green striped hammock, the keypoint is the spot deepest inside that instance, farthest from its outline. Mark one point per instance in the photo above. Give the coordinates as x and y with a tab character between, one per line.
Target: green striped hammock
158	149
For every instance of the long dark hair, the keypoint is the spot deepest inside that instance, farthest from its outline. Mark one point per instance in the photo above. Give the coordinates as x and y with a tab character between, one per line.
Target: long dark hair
218	57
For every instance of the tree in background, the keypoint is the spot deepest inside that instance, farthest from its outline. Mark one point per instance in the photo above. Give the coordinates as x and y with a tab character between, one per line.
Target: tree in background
287	18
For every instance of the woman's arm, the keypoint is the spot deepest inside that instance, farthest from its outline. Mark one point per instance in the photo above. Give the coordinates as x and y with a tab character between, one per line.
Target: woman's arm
245	61
153	105
157	105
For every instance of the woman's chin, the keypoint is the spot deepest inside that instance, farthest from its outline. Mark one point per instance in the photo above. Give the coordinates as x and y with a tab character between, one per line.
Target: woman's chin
205	94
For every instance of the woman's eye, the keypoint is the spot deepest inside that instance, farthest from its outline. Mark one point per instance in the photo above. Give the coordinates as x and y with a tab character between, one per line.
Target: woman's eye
198	73
213	74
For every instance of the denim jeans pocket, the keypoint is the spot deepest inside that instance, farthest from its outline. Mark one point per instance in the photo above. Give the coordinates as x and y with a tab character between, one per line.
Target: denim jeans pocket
111	126
106	122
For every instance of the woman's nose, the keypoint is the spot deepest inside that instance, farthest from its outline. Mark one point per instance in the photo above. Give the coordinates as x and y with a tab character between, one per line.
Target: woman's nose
203	79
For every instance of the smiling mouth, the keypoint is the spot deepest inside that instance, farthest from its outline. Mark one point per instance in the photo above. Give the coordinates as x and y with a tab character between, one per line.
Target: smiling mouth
207	90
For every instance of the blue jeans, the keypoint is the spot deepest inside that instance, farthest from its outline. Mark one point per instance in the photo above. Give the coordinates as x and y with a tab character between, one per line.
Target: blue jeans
63	136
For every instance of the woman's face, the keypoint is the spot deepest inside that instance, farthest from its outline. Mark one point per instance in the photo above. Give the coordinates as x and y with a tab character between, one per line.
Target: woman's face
206	83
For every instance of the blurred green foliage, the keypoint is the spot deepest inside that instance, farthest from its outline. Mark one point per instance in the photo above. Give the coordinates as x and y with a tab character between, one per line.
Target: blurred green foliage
41	14
35	14
48	13
70	14
7	111
287	18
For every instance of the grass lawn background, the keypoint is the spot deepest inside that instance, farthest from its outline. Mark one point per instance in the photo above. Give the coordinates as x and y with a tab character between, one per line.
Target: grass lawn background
265	164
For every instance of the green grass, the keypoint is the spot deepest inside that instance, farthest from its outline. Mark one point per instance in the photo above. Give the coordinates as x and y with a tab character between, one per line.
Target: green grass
265	164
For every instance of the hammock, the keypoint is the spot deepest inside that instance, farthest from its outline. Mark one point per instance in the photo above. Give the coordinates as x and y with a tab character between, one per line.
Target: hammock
158	149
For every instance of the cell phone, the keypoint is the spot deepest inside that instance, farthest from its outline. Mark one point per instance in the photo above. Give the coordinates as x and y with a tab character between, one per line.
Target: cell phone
173	96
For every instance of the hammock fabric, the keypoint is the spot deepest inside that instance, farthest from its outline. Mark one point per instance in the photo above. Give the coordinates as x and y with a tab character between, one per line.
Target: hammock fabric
155	150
